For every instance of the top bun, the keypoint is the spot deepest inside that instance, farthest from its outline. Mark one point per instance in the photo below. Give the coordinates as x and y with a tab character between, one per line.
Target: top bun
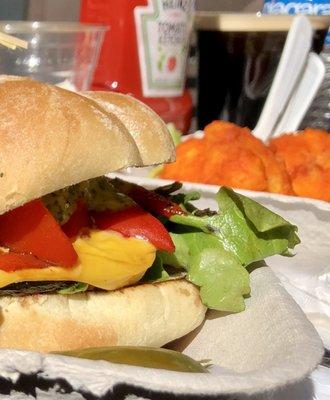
148	130
51	138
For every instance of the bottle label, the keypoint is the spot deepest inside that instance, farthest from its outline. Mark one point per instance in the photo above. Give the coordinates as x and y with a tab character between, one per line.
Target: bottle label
163	28
312	7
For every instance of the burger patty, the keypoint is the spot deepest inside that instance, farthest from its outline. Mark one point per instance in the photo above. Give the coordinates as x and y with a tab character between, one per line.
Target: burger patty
28	288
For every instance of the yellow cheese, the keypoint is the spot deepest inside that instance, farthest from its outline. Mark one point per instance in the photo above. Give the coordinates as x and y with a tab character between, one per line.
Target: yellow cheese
107	260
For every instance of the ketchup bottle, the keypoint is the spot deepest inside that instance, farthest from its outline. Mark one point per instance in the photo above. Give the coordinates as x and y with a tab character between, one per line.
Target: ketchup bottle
145	52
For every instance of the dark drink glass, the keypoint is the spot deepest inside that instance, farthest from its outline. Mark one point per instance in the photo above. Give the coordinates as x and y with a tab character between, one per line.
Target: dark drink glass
238	58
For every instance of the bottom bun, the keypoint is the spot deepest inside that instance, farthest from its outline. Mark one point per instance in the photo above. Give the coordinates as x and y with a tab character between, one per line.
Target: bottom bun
142	315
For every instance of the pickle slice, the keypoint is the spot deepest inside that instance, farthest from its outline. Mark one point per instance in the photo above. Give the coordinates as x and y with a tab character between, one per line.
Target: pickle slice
148	357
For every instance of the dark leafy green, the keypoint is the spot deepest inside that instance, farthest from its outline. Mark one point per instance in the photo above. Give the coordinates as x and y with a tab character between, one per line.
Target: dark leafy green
156	271
30	288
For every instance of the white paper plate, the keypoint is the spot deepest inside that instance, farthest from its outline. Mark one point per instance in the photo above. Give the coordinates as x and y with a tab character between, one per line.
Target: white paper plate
269	346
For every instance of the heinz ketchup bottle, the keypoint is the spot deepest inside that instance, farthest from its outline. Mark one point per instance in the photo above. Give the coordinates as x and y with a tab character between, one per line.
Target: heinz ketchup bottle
145	52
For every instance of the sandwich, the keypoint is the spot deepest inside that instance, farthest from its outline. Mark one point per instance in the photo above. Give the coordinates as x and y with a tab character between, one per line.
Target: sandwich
90	261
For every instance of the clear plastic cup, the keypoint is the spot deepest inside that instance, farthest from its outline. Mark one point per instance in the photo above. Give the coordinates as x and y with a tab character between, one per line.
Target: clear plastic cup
58	52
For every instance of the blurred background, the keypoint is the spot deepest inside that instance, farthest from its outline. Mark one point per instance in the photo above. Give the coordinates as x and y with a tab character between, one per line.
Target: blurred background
68	10
210	94
63	10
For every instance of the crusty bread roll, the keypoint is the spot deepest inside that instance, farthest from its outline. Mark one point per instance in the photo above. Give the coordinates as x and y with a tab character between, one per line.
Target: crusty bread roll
51	138
143	315
148	130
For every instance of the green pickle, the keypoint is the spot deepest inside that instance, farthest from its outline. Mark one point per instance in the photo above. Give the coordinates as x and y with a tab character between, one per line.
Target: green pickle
148	357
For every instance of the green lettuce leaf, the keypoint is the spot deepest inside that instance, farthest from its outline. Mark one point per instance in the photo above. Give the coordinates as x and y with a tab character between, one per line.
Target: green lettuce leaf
176	137
214	249
175	133
76	287
247	229
223	280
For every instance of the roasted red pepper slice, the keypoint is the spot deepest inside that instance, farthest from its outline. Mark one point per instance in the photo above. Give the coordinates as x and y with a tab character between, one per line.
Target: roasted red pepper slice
77	222
135	222
32	229
10	261
148	199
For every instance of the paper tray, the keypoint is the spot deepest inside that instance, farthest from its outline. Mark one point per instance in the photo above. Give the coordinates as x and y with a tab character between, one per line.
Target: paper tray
268	346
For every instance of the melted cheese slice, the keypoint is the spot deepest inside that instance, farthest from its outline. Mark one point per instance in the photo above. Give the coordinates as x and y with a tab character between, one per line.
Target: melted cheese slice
107	260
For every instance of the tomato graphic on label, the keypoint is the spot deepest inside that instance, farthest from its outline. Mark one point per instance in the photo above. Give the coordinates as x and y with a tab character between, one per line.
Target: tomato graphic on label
171	63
